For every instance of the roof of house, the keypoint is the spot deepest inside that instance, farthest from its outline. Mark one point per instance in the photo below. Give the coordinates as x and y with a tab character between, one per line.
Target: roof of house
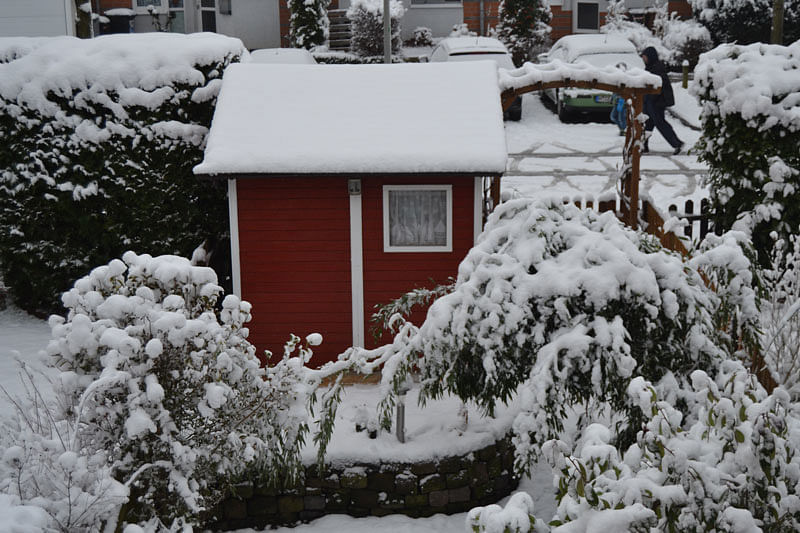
331	119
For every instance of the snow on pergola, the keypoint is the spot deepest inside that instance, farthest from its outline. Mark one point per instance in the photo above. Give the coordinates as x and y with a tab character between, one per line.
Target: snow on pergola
632	84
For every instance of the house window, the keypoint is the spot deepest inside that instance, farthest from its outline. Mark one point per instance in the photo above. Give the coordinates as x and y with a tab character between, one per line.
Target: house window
417	218
170	13
587	18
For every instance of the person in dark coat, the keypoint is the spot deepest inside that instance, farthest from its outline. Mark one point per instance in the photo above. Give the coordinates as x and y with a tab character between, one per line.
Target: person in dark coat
656	104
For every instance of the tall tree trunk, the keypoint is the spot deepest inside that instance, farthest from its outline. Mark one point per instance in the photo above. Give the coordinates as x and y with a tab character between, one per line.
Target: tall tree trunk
777	22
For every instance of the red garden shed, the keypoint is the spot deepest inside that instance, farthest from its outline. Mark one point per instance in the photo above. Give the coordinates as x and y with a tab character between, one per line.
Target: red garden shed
350	185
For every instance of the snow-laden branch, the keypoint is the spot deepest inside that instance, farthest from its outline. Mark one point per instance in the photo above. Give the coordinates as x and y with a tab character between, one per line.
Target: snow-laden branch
557	71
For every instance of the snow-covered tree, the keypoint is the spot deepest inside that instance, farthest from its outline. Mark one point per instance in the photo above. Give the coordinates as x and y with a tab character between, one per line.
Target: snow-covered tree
751	132
366	26
563	307
308	23
165	395
524	27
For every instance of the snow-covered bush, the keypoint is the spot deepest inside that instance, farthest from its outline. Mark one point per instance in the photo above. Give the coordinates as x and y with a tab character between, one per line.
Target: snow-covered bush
461	30
421	36
732	464
99	139
308	23
562	306
685	39
366	26
162	395
524	27
44	468
745	21
674	39
781	315
750	97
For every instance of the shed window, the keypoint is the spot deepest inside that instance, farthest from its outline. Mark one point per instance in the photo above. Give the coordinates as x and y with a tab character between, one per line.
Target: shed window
418	218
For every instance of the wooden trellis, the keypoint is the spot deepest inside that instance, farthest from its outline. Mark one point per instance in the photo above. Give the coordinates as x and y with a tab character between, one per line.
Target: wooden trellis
634	131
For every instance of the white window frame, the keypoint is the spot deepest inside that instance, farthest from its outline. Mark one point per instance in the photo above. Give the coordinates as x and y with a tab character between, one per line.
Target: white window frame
160	5
575	28
387	247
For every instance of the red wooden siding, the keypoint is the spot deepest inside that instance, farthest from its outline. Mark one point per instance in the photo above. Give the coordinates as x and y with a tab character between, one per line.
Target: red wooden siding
294	242
389	275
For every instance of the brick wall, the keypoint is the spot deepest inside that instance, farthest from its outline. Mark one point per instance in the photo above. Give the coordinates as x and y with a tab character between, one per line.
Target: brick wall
681	7
561	23
472	14
105	5
449	485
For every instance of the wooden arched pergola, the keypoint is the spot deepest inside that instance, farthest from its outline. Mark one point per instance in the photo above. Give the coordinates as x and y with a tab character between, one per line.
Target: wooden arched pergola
632	86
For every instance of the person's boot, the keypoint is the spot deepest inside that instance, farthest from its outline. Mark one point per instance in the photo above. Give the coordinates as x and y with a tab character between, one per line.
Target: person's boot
678	149
646	146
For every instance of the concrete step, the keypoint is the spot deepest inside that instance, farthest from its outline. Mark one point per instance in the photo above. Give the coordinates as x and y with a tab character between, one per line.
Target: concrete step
339	44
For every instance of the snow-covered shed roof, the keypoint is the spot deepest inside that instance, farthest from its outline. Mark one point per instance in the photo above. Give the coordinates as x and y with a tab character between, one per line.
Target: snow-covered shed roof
330	119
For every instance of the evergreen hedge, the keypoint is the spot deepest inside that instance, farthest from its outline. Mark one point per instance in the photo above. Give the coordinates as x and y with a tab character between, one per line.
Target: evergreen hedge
751	138
99	141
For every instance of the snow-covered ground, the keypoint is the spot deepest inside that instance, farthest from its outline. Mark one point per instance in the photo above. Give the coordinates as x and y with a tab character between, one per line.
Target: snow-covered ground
580	160
555	155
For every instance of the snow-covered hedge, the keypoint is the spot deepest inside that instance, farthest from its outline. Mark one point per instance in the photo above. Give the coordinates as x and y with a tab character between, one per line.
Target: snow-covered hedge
745	21
366	26
563	307
163	403
99	139
750	97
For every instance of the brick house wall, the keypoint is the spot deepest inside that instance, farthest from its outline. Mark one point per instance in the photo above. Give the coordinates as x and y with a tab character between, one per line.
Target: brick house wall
101	6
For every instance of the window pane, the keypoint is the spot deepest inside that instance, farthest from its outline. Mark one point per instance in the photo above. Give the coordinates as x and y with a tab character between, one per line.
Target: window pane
417	218
588	16
145	3
208	3
209	21
176	3
178	24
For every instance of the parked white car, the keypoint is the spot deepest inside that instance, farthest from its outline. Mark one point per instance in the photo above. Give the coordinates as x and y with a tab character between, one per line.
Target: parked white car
297	56
598	50
477	49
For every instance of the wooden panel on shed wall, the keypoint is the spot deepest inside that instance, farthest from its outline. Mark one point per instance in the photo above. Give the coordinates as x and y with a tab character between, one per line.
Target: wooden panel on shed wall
389	275
294	242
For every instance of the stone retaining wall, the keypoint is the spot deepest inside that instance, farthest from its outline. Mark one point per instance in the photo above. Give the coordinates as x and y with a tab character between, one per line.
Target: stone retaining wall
448	485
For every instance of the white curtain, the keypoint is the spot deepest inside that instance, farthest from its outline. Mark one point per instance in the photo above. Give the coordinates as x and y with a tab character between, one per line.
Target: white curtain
418	218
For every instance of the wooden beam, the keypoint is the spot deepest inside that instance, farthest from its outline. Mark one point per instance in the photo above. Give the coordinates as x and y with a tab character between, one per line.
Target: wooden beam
508	96
637	102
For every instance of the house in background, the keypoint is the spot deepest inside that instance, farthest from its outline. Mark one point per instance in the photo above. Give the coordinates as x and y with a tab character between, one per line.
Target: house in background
37	18
334	213
265	23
